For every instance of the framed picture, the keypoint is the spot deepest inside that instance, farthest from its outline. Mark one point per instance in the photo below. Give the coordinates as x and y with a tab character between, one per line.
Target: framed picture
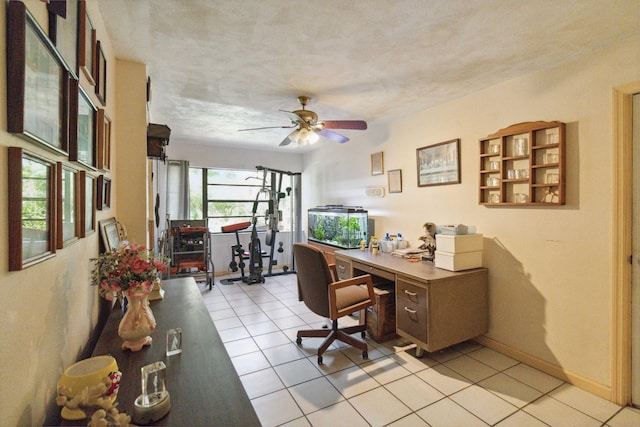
109	234
82	147
377	164
106	193
87	204
395	180
101	74
37	82
439	164
86	43
103	129
32	212
103	198
63	30
67	206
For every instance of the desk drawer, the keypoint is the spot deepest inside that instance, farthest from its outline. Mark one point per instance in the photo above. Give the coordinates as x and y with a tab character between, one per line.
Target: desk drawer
410	292
374	271
412	319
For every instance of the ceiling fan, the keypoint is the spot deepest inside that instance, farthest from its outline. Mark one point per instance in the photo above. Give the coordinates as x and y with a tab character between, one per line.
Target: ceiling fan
308	129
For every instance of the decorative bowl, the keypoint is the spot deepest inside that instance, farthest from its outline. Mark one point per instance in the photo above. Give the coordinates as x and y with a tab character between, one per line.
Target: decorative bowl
86	373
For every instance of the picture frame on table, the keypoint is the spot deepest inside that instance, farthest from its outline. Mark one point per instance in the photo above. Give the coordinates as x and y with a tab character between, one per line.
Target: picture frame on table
31	208
86	43
439	164
377	163
109	234
38	83
395	180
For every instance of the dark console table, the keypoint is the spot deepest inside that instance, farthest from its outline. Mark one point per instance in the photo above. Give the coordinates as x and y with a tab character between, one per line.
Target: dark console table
202	382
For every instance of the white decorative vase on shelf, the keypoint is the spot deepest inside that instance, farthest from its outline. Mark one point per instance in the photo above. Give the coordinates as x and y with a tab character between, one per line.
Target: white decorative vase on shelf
137	323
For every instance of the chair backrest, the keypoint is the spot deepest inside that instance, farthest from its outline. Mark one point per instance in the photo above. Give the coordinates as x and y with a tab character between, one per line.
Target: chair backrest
314	277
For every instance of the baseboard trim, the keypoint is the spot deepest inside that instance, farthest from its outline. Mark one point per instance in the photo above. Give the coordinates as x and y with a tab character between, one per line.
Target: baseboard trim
548	368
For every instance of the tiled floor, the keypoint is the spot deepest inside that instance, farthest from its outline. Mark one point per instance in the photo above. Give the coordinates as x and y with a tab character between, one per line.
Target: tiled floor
467	385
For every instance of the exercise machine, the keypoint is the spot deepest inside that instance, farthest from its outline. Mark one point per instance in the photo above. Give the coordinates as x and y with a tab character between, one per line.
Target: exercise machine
270	192
239	255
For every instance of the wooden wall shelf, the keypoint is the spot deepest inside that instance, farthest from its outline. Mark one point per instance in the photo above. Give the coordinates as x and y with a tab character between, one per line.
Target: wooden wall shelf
523	165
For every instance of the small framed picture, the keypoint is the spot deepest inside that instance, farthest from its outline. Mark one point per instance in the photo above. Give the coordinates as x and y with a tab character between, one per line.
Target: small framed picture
101	74
439	164
395	181
377	164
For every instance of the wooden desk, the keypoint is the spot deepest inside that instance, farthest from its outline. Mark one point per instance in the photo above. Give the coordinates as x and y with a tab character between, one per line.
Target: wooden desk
202	382
435	308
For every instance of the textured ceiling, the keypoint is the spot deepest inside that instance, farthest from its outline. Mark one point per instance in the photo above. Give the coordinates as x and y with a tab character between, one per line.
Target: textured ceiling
217	66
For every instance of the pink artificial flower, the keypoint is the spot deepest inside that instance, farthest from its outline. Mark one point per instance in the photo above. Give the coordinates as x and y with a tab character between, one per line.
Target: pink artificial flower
138	266
160	266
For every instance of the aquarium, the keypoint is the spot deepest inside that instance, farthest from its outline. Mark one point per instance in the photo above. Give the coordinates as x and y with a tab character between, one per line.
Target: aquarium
336	225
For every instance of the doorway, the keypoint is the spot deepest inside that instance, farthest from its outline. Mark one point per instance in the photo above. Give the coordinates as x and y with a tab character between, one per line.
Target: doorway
635	257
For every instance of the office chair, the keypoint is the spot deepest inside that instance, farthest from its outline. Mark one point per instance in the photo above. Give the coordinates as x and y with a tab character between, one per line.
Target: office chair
325	295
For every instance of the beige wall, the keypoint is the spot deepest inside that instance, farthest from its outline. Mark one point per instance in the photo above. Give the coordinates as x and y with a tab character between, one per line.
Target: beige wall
131	95
550	268
49	308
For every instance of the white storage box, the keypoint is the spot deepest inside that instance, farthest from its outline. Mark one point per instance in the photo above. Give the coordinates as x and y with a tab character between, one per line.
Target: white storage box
459	243
460	261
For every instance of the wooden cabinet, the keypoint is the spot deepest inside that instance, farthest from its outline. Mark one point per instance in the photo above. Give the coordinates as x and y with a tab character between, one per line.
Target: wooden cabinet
523	164
381	317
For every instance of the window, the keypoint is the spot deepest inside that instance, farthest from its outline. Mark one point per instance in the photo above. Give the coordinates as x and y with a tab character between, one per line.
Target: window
225	196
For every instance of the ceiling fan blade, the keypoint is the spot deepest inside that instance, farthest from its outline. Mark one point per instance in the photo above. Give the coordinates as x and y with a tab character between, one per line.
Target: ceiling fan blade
345	124
268	127
332	135
292	116
289	139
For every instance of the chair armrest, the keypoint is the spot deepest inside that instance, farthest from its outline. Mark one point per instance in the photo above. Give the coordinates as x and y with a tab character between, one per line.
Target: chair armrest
334	272
370	300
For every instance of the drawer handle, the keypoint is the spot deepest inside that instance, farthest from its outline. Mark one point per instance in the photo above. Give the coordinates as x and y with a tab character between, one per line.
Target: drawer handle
407	309
411	294
341	267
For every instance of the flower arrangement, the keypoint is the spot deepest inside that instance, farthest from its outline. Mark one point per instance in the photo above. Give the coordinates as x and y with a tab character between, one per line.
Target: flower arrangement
132	268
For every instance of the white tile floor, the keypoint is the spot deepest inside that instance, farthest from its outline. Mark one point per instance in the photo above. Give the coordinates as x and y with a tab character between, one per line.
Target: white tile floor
466	385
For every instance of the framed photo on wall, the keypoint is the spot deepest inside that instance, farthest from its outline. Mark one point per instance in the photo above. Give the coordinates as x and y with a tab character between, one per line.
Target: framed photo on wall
86	43
32	208
103	130
82	147
377	163
67	206
395	180
87	204
101	74
37	82
439	164
63	30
